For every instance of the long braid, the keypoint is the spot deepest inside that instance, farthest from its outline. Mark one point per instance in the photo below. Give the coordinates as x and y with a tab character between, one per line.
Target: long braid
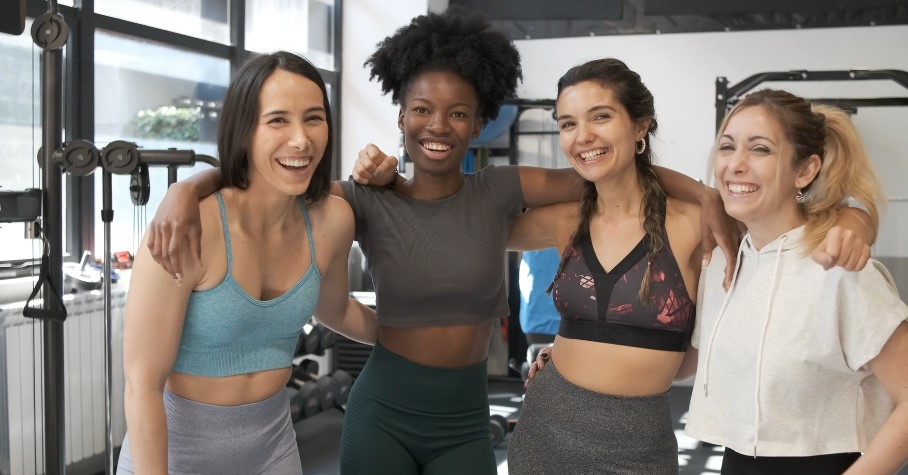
653	208
587	208
630	91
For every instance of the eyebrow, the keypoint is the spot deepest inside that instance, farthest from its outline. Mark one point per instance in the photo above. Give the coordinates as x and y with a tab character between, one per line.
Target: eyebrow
595	108
283	112
429	101
751	138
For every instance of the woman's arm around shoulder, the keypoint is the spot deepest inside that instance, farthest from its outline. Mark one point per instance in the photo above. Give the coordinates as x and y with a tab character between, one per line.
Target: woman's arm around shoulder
546	186
888	451
155	311
847	243
176	222
541	228
333	225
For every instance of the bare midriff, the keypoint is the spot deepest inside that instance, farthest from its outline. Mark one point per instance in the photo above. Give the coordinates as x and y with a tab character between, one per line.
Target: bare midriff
444	346
229	390
615	369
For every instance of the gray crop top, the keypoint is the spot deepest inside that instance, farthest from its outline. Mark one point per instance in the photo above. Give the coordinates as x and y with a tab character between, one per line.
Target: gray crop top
438	262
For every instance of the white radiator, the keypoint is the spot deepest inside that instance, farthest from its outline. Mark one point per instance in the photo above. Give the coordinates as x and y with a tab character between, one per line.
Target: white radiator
22	380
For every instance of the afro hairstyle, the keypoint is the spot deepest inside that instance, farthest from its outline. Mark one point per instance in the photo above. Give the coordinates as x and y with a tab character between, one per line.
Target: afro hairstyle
456	41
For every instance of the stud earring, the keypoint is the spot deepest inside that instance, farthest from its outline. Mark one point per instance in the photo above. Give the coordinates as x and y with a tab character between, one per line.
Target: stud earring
800	198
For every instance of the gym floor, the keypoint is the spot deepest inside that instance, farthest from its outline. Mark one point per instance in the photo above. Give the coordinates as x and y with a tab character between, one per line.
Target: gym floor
319	437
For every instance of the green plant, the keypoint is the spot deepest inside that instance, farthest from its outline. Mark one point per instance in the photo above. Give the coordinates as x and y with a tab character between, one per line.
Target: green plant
167	122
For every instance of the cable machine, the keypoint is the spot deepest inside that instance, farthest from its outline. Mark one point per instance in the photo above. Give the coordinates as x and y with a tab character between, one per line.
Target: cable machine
729	95
41	210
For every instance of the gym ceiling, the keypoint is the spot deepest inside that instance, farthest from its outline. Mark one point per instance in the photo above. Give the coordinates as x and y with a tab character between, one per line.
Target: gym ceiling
535	19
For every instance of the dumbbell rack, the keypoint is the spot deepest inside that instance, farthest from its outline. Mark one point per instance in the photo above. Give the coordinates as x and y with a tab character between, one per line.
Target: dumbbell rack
315	384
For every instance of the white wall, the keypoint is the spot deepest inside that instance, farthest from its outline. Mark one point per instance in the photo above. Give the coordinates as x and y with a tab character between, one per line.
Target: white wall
681	69
368	116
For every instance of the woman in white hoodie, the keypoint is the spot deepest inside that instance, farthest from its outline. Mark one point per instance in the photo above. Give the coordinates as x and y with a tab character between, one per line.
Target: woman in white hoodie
801	370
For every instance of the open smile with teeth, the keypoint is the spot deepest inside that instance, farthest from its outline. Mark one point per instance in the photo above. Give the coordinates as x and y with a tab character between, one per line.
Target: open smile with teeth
592	155
436	146
741	188
294	163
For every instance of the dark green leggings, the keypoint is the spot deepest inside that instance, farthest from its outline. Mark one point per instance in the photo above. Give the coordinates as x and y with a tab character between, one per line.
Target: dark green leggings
406	418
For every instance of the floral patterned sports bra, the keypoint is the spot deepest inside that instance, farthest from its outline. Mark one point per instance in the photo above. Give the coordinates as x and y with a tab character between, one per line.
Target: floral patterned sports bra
602	306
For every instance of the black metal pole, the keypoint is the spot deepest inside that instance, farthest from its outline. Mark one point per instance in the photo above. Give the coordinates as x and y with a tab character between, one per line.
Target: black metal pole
52	138
107	217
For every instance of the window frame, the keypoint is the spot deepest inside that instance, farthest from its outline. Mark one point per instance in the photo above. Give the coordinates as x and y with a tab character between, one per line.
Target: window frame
79	96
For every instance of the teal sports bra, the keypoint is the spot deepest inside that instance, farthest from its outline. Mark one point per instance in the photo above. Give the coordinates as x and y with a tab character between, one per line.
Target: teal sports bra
228	332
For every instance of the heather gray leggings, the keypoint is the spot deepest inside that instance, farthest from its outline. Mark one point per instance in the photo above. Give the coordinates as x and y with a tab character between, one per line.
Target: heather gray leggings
255	438
565	429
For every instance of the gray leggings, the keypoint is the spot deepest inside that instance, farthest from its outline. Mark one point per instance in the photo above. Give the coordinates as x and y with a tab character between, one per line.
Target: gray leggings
249	439
564	428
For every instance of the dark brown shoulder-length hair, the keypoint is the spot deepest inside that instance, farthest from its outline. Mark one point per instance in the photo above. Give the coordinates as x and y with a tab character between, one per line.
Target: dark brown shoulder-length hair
240	113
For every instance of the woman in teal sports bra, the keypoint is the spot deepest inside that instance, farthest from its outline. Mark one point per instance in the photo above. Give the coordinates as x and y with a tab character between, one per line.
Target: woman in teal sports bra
206	357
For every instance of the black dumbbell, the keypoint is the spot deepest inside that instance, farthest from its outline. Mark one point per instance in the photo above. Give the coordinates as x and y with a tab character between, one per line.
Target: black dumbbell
342	382
308	371
309	340
499	428
304	399
306	366
327	338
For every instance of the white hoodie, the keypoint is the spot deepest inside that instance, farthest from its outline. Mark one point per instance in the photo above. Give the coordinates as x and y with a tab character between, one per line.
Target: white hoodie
782	367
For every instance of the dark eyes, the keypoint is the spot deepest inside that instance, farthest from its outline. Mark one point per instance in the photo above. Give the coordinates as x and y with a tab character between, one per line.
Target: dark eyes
283	120
456	114
757	148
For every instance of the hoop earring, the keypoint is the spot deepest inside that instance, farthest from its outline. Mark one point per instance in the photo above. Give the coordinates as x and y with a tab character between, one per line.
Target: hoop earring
641	146
800	198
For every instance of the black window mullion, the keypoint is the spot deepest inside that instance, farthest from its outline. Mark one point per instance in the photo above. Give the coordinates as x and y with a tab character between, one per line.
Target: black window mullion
334	78
169	38
237	23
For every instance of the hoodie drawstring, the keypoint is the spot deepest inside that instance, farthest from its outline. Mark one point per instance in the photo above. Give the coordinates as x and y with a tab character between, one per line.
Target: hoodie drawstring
769	299
725	301
712	336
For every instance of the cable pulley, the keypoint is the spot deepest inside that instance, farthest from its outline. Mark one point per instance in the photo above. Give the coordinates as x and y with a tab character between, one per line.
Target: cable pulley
120	157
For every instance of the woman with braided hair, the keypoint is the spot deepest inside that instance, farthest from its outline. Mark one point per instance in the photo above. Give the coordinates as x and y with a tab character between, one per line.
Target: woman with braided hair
626	290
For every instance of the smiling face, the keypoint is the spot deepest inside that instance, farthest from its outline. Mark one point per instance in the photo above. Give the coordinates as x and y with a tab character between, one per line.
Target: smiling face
756	176
597	134
290	134
439	115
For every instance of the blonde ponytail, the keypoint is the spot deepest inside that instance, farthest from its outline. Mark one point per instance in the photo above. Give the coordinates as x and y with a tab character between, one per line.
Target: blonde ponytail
846	172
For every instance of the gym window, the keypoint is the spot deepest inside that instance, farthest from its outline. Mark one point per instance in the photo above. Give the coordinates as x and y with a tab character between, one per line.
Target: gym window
151	72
